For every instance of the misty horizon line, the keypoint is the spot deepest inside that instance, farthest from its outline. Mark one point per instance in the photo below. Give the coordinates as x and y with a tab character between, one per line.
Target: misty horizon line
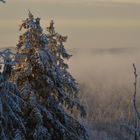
93	50
8	46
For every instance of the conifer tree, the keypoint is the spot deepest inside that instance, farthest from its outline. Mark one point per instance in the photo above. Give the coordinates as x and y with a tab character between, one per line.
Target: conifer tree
3	1
11	121
44	93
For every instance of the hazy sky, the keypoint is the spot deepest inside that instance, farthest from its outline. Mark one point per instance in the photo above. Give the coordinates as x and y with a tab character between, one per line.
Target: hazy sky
88	23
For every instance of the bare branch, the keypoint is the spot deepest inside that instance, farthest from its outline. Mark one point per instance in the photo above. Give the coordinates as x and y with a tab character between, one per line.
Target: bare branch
135	92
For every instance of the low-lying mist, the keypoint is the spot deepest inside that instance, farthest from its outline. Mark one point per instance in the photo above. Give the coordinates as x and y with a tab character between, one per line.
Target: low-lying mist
106	80
107	66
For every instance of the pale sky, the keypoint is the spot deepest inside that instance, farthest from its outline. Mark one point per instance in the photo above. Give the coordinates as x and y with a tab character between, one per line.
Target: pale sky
88	23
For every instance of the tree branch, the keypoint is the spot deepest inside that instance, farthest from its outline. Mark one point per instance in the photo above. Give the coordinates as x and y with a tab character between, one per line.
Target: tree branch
135	92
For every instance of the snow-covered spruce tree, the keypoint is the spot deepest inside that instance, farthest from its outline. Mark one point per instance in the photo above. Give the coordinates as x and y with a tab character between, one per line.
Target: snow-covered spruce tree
45	85
2	1
11	105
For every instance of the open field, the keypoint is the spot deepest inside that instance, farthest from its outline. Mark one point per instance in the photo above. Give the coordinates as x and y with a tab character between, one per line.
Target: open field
106	78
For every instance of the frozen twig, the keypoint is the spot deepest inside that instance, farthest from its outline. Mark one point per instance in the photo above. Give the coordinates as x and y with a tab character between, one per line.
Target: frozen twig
135	92
134	100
